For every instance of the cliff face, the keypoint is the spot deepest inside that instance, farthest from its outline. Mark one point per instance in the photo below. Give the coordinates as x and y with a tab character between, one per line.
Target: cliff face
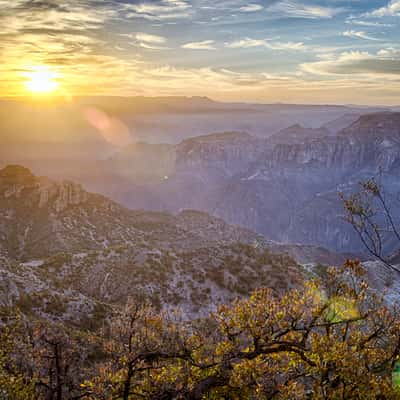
289	190
338	153
372	142
17	182
218	156
376	126
379	135
292	192
39	216
297	134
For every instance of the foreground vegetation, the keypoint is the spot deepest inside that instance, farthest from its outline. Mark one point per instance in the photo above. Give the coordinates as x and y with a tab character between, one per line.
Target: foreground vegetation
333	339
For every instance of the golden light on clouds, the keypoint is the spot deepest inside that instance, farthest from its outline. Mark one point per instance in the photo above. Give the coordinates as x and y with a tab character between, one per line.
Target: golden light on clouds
128	48
41	80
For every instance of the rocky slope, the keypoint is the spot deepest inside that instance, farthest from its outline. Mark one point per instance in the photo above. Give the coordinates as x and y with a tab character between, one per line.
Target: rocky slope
69	254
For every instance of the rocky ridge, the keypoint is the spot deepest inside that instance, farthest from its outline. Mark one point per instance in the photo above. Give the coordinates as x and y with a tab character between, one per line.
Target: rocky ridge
72	253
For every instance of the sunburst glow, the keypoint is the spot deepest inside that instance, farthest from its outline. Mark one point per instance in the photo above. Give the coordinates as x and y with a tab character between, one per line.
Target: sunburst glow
41	81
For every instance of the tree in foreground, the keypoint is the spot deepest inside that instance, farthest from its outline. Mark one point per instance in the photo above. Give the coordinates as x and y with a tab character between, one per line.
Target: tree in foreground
333	339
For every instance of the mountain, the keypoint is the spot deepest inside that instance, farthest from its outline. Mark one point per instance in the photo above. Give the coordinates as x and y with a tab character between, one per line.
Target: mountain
69	254
337	124
297	134
285	188
219	155
62	136
291	193
36	209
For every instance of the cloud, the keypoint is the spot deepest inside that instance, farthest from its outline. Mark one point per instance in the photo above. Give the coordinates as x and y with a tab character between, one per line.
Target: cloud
391	10
203	45
228	84
159	10
247	43
385	62
150	46
390	52
150	42
251	8
28	16
293	9
368	23
359	35
80	41
145	37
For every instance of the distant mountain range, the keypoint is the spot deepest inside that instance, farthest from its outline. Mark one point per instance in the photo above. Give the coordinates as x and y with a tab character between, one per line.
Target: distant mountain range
49	135
285	187
280	179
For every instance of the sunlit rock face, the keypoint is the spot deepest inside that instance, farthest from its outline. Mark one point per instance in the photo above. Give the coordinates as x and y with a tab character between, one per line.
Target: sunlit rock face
13	179
19	182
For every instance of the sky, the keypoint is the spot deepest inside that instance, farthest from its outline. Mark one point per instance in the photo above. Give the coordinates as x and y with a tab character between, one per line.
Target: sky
305	51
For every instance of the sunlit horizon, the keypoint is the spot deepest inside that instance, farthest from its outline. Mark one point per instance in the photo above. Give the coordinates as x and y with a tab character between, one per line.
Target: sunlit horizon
280	51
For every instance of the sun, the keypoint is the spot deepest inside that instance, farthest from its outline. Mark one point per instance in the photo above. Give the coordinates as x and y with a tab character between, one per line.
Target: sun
41	80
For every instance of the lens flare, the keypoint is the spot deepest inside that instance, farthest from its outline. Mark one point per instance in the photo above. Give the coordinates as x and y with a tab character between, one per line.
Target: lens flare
112	129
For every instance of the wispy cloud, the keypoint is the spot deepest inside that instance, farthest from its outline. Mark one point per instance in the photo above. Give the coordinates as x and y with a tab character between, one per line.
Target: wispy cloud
145	37
150	42
159	10
146	40
27	16
359	35
203	45
251	8
293	9
247	43
368	23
